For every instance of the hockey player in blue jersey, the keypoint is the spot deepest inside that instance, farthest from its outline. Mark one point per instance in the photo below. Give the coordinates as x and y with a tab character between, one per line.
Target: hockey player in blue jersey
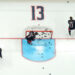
71	23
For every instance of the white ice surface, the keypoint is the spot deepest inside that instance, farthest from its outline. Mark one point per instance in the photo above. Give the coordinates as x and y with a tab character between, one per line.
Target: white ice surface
13	63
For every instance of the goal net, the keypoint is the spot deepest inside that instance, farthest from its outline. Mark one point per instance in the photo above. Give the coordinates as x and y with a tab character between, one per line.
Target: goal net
42	34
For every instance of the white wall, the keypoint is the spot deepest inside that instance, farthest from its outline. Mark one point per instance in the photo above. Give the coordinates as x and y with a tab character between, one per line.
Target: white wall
15	16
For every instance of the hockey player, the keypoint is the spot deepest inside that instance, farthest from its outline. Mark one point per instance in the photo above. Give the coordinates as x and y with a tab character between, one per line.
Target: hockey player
0	53
71	23
31	37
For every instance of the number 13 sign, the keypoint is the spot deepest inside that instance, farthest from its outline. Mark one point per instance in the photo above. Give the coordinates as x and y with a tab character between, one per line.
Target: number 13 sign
40	12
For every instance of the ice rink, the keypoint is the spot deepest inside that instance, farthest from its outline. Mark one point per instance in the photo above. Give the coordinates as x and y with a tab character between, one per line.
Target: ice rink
15	64
15	16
